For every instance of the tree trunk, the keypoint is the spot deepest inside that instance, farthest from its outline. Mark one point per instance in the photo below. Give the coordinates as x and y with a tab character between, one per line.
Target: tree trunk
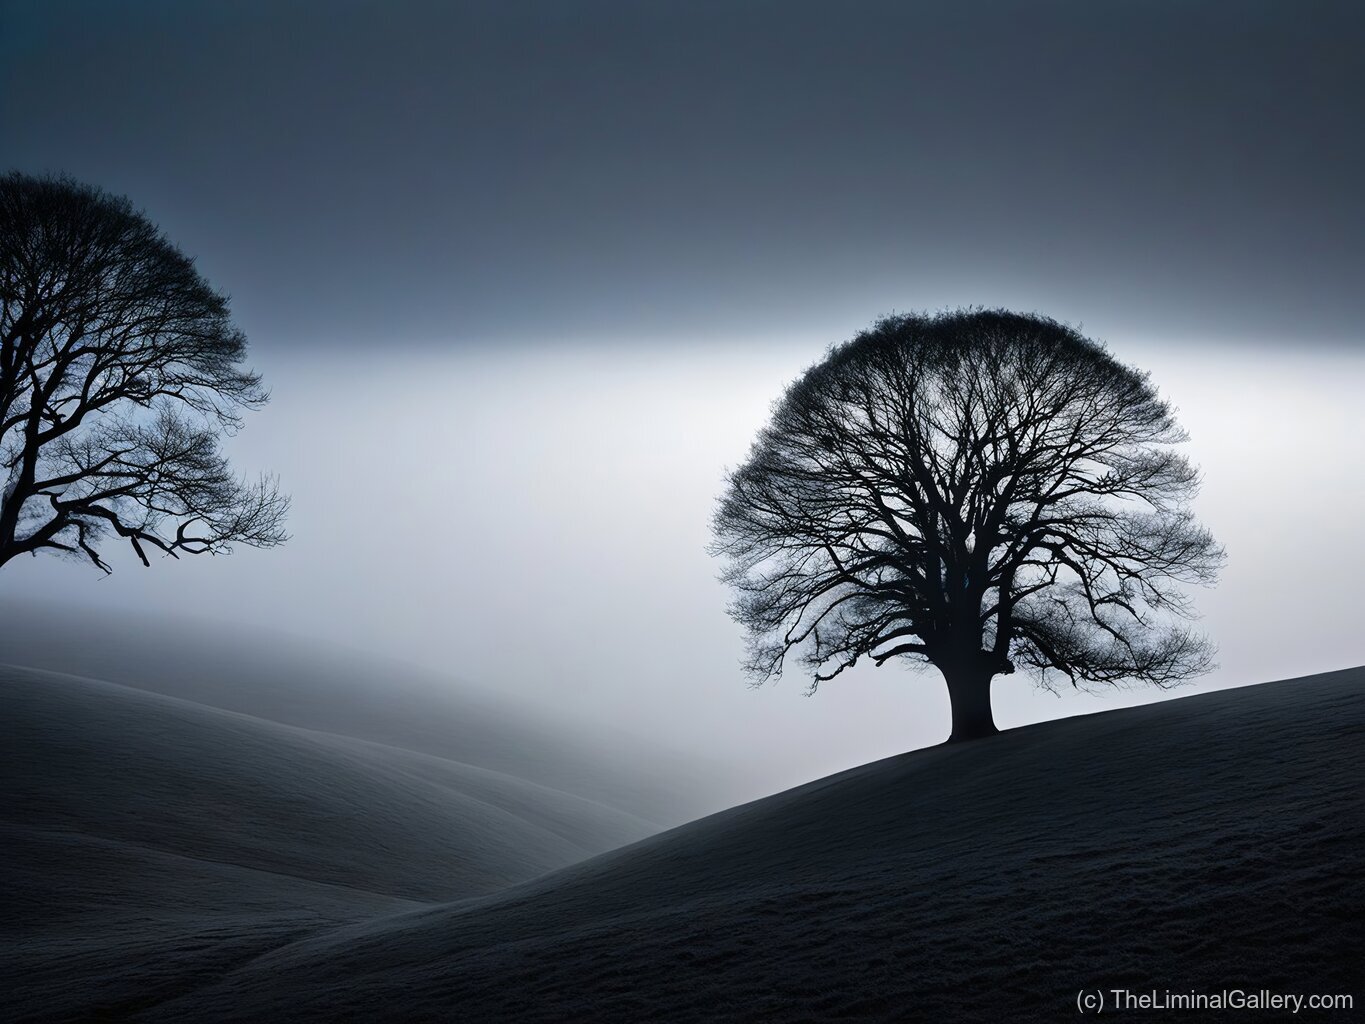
970	693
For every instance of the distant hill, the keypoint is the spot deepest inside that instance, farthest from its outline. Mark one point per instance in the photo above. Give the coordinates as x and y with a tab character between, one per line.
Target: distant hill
285	679
1208	843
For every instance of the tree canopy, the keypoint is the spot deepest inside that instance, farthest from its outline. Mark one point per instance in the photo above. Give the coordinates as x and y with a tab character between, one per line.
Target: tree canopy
977	490
119	372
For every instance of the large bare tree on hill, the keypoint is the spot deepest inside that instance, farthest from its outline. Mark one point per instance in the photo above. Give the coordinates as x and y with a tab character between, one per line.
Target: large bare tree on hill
981	491
119	372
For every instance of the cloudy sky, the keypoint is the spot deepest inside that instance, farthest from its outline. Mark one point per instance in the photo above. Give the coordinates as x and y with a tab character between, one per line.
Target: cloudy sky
524	278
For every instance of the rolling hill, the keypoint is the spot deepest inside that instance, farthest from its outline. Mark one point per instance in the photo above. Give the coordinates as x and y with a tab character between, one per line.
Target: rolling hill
1201	844
149	841
293	681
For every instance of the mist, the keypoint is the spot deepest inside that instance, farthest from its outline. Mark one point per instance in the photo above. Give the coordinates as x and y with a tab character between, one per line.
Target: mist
534	523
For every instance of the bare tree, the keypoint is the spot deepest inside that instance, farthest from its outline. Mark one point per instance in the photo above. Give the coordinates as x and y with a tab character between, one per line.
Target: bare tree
119	373
976	490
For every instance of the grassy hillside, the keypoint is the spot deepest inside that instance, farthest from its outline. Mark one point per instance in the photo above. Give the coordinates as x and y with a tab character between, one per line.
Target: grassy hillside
1212	842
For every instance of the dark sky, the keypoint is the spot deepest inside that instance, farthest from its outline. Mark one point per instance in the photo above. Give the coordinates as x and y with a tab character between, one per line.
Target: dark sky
463	173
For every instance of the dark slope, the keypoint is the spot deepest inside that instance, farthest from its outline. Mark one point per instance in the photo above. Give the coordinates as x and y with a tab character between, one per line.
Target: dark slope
1210	842
147	840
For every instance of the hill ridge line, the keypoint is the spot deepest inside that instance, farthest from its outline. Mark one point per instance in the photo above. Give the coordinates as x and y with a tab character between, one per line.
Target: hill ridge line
325	736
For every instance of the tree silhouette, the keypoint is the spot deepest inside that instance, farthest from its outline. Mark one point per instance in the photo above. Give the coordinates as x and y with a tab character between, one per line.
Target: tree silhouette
976	490
119	373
